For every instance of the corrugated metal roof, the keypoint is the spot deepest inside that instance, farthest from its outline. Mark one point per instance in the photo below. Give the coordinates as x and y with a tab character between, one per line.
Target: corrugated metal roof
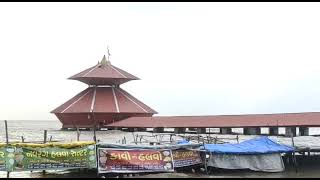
310	119
104	100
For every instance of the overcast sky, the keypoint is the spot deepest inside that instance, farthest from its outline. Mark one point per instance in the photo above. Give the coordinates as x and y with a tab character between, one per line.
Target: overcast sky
192	58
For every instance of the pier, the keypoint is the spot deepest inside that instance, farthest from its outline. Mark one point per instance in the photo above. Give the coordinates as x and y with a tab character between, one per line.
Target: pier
251	123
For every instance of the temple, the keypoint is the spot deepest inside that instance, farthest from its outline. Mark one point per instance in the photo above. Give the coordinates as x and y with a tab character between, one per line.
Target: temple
103	102
105	105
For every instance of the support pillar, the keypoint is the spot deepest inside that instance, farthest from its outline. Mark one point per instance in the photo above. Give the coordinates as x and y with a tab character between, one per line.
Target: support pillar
179	130
158	130
291	131
225	131
201	130
303	131
274	131
252	131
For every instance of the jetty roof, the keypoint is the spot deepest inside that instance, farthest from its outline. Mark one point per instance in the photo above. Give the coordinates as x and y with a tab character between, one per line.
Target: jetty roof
104	74
104	100
308	119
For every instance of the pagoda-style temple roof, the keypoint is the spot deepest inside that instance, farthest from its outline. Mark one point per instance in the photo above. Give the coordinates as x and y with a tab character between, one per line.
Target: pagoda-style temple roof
104	74
104	100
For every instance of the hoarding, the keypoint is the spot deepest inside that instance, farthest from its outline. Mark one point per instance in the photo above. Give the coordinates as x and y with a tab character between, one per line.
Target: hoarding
134	160
184	157
55	158
7	158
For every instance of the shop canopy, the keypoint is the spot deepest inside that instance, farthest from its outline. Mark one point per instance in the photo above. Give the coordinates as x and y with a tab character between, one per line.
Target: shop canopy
260	145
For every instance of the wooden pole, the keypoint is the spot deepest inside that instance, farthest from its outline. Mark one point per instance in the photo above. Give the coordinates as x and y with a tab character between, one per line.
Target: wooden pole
45	136
6	127
94	133
78	134
45	133
294	155
44	141
7	140
92	110
205	162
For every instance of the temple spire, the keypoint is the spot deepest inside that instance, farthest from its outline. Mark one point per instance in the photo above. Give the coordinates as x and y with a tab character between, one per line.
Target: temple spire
104	61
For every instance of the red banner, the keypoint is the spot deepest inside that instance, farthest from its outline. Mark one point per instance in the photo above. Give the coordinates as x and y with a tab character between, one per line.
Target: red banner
134	160
183	157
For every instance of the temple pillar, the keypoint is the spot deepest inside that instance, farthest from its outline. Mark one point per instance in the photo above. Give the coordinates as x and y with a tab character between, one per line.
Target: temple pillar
201	130
179	130
158	130
303	131
291	131
225	131
273	131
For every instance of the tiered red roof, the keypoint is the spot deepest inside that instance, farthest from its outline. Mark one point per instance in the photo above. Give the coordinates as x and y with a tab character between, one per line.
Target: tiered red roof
104	74
103	101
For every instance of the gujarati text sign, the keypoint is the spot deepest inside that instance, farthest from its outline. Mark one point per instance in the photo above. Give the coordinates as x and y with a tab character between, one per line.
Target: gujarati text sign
6	158
184	157
45	158
134	160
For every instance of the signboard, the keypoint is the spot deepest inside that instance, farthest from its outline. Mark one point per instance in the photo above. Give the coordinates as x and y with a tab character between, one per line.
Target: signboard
134	160
56	158
184	157
6	158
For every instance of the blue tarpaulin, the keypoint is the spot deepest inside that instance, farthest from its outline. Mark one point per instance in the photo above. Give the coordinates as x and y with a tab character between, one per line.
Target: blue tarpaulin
183	142
261	145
